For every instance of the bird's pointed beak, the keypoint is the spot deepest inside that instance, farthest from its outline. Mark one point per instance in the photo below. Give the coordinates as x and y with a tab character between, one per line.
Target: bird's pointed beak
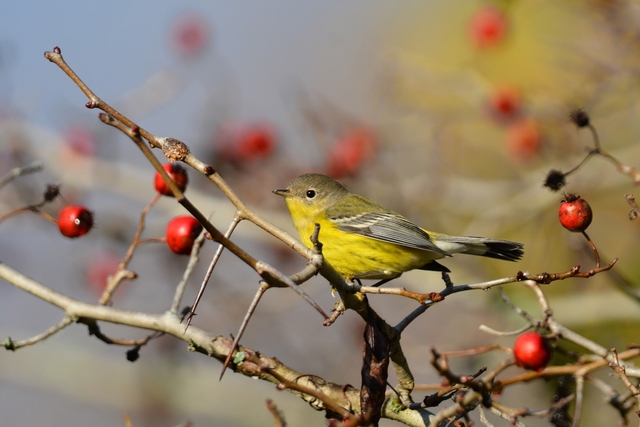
283	192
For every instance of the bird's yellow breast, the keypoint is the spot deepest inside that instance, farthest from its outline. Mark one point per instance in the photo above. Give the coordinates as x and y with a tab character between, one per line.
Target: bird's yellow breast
353	255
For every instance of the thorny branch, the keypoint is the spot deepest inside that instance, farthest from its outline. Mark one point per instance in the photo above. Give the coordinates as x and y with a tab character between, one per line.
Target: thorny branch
176	150
253	364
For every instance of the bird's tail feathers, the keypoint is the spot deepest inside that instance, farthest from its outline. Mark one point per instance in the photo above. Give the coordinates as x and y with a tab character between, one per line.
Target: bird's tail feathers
482	246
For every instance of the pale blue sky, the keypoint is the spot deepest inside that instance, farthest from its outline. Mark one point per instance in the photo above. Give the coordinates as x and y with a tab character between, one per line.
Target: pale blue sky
260	52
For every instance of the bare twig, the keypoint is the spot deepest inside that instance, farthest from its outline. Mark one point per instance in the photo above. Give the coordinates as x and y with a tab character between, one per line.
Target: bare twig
95	330
577	412
337	311
115	280
635	209
423	299
532	321
485	328
625	284
314	391
278	417
474	351
18	172
622	168
9	344
593	248
466	403
212	264
188	271
622	373
245	321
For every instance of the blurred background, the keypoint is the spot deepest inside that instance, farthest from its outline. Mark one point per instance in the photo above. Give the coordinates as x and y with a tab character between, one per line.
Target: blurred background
451	113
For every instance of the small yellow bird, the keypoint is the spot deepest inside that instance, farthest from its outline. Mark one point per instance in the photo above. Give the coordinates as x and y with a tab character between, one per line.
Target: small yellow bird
363	240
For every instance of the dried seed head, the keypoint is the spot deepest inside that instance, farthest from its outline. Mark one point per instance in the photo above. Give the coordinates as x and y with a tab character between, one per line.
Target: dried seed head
555	180
580	118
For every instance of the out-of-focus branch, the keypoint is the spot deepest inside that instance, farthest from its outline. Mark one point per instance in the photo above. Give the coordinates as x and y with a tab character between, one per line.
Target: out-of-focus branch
18	172
193	261
278	417
115	280
635	209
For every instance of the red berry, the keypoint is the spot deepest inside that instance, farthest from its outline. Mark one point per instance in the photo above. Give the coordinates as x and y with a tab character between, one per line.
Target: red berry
182	232
238	142
488	27
75	221
80	141
524	139
505	103
350	152
178	174
256	142
532	351
189	35
101	266
575	213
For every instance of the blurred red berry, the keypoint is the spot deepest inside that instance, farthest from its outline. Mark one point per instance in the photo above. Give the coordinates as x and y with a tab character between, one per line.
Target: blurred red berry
182	232
488	27
189	35
575	213
75	221
524	139
241	143
532	351
256	143
100	268
80	141
178	174
505	103
350	151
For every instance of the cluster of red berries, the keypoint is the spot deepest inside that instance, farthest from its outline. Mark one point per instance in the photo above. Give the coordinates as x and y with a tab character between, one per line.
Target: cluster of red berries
350	151
488	29
523	134
242	143
532	350
182	231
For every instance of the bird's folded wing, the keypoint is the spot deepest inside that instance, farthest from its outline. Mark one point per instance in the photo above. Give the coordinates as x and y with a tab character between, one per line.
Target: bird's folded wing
387	227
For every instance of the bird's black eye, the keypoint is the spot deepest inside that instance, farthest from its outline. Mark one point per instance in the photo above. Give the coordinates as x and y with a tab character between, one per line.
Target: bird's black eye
311	194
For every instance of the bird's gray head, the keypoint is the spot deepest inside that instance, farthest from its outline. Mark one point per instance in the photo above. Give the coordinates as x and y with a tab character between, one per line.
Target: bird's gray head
315	190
